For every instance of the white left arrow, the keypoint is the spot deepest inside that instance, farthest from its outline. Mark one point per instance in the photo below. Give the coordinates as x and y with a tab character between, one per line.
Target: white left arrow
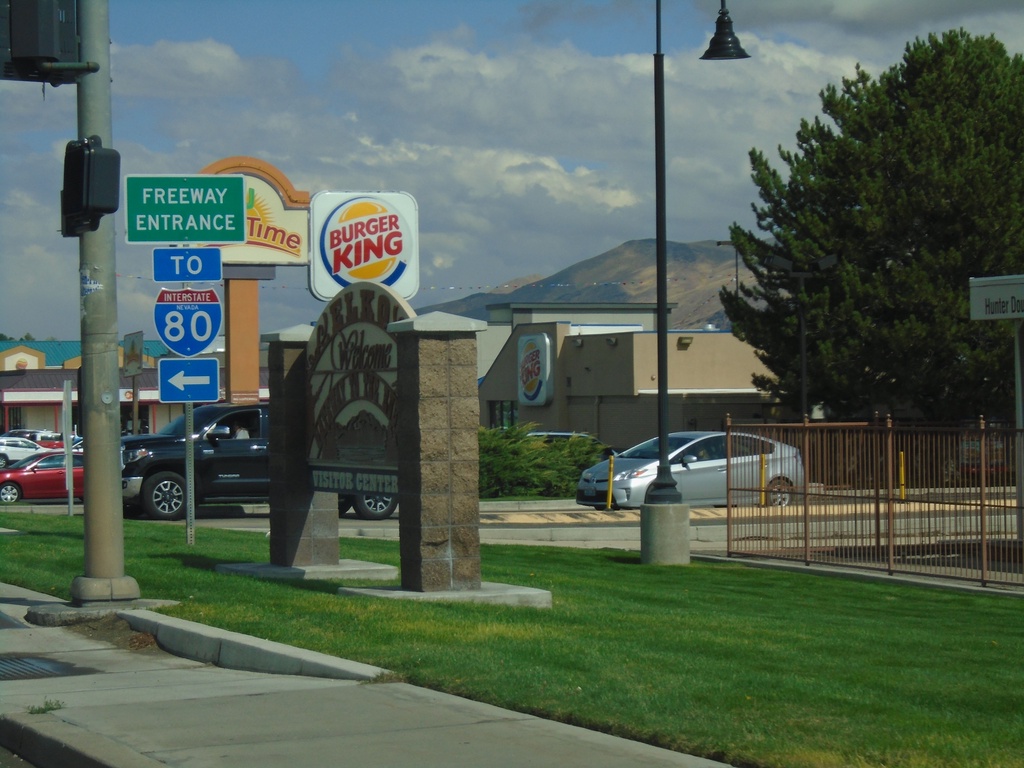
180	380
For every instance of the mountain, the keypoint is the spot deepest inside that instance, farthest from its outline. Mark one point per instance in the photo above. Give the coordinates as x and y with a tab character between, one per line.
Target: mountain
627	273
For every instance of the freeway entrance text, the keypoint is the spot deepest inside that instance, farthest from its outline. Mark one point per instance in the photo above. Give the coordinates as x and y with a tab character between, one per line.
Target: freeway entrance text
203	208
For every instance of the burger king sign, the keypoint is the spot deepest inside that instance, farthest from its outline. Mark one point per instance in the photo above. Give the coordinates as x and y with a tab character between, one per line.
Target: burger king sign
364	237
534	369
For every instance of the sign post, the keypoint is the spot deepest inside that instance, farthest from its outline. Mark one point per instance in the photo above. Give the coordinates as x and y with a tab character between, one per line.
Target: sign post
69	459
175	210
1002	298
132	367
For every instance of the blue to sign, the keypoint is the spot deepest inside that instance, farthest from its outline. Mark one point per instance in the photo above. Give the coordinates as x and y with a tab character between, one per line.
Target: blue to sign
192	380
188	321
187	265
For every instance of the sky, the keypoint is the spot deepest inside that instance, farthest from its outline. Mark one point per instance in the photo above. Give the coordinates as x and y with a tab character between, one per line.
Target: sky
524	129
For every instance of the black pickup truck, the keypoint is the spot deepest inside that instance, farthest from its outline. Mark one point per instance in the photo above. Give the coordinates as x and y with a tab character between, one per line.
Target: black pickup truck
231	461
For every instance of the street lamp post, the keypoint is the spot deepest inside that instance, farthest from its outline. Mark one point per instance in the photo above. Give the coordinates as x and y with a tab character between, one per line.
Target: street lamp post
785	265
736	259
802	316
723	46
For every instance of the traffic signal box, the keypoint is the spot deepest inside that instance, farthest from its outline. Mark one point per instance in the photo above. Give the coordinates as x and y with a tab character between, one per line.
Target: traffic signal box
39	41
92	185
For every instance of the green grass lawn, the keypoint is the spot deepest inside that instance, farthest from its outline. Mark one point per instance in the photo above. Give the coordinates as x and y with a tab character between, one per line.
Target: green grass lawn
750	666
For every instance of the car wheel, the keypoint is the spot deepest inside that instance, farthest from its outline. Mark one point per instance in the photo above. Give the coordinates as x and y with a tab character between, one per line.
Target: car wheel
3	461
9	493
163	496
375	506
780	492
344	505
132	512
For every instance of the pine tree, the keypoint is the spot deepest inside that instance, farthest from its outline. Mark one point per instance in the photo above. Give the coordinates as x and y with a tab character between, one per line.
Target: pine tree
915	183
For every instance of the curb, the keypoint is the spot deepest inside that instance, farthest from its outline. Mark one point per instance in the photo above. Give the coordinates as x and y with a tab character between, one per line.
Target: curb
46	741
537	505
233	650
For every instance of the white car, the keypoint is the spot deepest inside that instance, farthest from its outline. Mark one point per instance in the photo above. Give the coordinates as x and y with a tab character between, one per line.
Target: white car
697	459
16	448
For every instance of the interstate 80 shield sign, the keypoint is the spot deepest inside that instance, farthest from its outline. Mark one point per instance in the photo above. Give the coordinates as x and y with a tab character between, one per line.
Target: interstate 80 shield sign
188	320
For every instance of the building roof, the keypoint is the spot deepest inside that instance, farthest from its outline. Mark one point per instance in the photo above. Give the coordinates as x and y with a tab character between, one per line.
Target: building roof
58	352
55	352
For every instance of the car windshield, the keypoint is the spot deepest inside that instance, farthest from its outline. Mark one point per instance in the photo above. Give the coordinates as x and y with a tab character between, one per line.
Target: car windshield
174	428
24	462
649	448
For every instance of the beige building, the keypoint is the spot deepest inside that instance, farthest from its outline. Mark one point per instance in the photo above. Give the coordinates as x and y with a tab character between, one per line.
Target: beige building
592	368
574	376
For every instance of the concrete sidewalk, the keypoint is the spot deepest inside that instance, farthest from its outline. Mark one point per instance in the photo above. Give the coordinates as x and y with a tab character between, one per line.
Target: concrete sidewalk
220	699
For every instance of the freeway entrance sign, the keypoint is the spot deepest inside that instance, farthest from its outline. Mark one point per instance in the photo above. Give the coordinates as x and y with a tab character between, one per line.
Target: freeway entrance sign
189	380
202	208
188	320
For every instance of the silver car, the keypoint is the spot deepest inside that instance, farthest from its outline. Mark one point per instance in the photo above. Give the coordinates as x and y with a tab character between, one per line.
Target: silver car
762	470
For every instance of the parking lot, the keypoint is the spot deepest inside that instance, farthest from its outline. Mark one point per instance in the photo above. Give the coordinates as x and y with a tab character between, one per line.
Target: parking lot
541	523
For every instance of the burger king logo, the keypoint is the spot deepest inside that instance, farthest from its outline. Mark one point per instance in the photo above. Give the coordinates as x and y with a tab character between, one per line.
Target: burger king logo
529	371
534	370
365	237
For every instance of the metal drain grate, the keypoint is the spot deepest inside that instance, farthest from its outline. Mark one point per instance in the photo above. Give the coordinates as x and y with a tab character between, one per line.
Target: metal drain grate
33	667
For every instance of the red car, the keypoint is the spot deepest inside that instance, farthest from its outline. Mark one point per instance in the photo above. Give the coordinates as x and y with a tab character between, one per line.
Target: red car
41	476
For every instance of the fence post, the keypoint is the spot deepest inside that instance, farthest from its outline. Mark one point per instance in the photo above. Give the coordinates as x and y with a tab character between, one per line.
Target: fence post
807	506
890	512
983	511
880	548
1018	473
728	484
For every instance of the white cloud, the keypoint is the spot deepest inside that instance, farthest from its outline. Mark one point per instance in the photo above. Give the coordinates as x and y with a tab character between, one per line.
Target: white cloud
526	150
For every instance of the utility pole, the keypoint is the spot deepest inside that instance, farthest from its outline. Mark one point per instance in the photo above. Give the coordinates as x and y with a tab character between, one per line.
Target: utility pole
99	398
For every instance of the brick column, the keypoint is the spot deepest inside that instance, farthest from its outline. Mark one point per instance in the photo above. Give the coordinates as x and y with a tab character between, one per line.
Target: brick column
439	456
303	522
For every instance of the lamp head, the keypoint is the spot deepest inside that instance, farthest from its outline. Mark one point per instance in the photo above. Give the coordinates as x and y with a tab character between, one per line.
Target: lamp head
827	262
724	44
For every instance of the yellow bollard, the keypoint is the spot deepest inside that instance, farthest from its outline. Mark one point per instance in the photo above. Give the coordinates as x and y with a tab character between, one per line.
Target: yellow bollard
611	474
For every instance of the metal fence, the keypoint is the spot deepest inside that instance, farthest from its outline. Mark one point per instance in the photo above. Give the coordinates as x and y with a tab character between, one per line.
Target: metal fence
929	501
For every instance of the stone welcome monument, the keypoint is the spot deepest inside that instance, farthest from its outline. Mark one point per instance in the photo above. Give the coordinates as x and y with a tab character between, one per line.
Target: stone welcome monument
331	387
378	400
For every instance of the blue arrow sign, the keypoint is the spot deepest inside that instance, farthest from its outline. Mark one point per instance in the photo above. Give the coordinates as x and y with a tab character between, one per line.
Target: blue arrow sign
187	265
188	320
189	380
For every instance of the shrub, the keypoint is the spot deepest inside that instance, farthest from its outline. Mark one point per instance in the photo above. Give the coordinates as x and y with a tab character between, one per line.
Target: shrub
515	463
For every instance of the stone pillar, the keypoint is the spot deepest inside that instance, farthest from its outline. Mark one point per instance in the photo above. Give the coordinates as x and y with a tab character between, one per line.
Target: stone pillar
439	455
303	522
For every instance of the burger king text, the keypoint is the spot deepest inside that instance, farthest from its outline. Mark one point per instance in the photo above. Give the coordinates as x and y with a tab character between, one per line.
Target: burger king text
360	241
